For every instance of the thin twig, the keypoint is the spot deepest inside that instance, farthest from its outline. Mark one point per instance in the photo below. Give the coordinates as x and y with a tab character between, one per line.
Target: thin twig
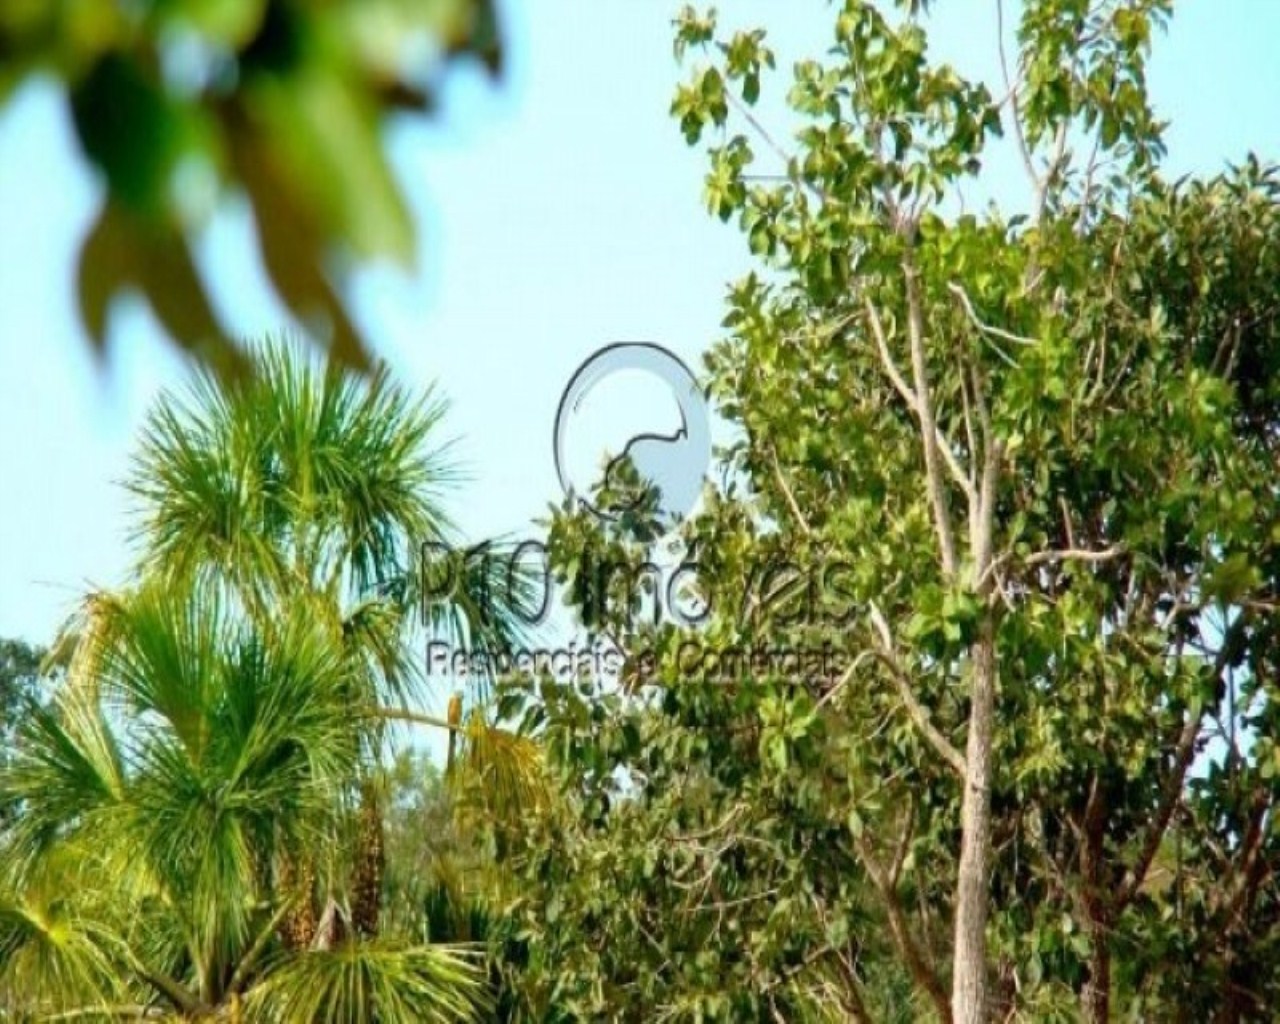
789	495
773	144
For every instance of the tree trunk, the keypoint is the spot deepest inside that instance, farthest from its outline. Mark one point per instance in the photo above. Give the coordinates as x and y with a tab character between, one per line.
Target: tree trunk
371	863
1097	990
969	970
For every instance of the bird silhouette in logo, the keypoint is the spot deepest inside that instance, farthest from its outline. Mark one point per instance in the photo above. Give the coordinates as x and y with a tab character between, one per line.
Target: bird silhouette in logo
658	475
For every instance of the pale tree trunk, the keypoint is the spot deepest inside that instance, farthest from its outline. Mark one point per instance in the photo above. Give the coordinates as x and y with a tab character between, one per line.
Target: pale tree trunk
969	981
978	481
973	885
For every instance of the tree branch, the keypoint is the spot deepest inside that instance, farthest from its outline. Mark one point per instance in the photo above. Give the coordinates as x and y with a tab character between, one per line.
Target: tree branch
1172	792
772	143
915	710
908	948
996	332
928	425
415	718
958	473
1012	88
1050	173
789	495
1075	555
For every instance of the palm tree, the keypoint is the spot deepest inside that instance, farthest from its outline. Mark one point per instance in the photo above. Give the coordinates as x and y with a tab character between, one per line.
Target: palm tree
280	517
301	486
156	802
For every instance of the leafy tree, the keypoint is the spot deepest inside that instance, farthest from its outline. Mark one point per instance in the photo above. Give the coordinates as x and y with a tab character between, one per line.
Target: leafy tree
177	104
1018	472
302	486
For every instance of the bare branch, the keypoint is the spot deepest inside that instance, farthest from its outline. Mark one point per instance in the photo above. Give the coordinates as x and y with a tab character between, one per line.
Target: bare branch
1075	555
1012	88
928	425
773	144
414	718
1051	172
919	715
969	434
995	332
1048	558
1066	521
789	495
982	525
843	681
908	948
886	357
958	473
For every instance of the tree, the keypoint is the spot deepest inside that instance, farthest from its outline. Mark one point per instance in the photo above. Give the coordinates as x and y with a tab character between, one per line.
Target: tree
158	801
1018	473
283	509
303	486
179	104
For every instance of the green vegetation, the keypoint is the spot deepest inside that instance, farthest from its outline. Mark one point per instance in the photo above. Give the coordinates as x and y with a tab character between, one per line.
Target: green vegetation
197	812
1042	452
1013	472
179	104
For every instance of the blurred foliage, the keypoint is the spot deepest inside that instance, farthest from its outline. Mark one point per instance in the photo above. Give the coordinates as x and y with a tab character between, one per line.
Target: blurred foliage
178	104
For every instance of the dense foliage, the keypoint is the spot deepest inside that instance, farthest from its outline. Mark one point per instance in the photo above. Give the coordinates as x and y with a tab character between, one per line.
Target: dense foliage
20	665
957	699
1019	472
196	819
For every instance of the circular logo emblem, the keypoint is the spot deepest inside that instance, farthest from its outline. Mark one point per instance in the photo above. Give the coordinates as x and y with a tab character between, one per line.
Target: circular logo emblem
659	469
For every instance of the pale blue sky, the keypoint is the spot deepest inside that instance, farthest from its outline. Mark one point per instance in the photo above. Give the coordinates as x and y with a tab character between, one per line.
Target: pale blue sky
560	210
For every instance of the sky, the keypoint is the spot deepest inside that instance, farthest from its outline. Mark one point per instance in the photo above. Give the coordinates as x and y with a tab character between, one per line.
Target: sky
559	210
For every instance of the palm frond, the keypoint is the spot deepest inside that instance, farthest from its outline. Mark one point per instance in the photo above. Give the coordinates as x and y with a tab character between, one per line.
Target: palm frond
500	774
204	481
375	983
65	776
487	601
51	956
374	637
291	471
